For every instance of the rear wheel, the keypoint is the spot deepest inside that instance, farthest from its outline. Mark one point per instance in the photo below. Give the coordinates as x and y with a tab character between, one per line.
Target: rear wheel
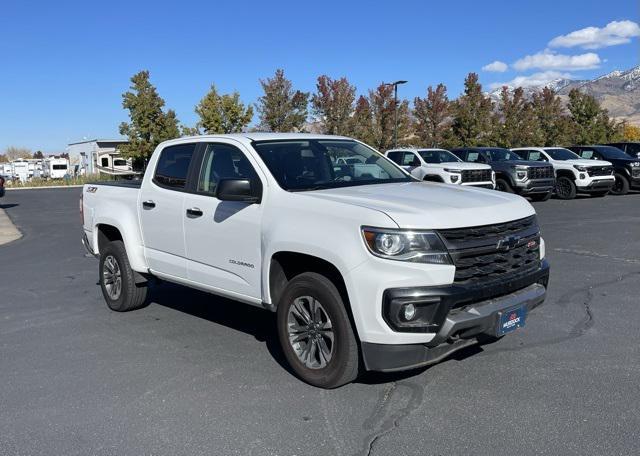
315	332
565	188
503	186
620	186
117	279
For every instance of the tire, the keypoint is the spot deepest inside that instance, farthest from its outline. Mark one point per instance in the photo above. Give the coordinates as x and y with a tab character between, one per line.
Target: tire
542	197
621	185
503	185
114	264
313	366
565	188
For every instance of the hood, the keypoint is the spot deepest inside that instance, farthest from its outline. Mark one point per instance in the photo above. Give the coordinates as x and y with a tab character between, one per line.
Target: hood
532	164
429	205
585	162
458	165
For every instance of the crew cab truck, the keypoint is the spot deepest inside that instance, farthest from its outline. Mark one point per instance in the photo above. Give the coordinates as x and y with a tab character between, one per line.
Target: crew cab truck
631	148
375	270
573	174
440	165
513	174
626	168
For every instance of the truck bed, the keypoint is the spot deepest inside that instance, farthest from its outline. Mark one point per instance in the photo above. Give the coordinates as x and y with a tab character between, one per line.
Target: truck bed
120	183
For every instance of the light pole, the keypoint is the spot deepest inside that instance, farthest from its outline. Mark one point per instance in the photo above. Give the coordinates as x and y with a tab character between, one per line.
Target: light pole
395	106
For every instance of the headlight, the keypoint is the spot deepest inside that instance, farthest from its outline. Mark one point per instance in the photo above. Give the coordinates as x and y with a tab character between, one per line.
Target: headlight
580	168
493	175
521	172
543	249
400	245
450	170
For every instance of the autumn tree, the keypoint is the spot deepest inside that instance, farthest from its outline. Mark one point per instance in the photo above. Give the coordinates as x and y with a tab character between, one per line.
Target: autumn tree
333	104
472	114
515	124
281	108
432	116
149	124
591	123
382	107
630	132
223	113
553	124
362	121
3	158
15	153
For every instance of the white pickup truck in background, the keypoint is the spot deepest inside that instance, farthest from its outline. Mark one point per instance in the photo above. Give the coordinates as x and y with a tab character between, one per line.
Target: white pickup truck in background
440	165
366	267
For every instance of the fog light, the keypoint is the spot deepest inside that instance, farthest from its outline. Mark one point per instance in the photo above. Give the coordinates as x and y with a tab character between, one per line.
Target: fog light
454	179
582	176
409	312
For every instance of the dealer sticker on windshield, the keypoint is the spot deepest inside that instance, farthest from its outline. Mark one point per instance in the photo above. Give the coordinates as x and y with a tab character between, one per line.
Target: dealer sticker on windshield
511	320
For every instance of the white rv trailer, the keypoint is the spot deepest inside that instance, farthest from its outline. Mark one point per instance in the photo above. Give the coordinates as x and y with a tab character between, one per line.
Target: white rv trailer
56	168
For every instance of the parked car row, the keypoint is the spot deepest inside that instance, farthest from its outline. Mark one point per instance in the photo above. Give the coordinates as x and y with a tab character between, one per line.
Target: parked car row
535	172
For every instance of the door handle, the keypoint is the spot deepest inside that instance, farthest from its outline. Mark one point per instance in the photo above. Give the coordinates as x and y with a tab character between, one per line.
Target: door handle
194	212
148	204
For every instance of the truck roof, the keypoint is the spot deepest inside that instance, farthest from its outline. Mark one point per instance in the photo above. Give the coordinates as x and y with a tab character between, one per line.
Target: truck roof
264	136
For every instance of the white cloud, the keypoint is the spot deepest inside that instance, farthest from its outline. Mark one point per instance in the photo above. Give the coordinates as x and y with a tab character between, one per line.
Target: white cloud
496	66
533	80
547	60
616	32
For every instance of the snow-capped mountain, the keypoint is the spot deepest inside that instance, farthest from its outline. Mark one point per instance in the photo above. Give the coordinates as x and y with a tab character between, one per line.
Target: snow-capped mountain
618	91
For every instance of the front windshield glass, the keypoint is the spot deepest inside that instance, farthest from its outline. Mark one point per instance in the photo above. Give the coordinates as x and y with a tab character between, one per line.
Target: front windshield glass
314	164
438	156
560	153
612	152
502	155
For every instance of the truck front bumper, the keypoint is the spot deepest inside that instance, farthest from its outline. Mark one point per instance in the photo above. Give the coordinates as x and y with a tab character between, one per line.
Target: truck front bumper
534	186
597	185
461	326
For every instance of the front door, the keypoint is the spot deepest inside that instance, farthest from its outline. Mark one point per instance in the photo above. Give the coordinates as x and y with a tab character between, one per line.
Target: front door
223	242
161	203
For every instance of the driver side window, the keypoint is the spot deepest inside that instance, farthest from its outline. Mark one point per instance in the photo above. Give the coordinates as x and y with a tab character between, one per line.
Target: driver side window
223	161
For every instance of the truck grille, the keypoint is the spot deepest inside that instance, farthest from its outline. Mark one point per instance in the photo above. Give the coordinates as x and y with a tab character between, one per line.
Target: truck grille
476	175
600	170
478	258
541	172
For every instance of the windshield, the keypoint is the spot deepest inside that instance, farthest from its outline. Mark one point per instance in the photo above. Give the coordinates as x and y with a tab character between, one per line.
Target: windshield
438	156
612	152
560	153
315	164
502	155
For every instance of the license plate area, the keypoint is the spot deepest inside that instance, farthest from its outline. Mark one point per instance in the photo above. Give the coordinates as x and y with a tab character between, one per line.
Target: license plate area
510	320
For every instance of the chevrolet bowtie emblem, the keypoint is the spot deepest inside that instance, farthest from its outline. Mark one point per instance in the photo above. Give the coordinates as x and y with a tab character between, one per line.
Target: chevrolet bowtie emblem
507	243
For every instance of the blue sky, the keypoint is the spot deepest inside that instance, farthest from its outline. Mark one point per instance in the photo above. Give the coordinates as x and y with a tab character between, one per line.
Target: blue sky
66	64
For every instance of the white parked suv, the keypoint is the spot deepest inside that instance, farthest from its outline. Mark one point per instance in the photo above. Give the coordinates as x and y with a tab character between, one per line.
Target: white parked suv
365	266
440	165
573	174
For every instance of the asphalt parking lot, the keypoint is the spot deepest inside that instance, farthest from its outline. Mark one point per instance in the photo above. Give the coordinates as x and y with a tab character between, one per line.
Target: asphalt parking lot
195	374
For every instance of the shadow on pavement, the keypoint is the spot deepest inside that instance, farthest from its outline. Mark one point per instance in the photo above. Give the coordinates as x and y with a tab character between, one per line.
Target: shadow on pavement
8	206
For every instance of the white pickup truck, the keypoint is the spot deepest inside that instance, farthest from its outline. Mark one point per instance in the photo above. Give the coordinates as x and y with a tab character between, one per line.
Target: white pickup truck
366	270
440	165
573	173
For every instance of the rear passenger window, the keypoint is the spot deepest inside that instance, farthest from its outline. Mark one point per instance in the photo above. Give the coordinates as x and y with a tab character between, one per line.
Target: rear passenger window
173	166
222	161
410	159
588	154
473	157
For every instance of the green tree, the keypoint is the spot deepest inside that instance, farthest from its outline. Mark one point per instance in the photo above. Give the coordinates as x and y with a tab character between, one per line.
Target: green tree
432	116
223	113
38	155
149	124
591	123
281	108
333	104
362	121
515	123
472	115
554	126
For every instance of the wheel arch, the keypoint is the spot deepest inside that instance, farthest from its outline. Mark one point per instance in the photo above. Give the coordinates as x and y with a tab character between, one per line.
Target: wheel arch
433	178
565	173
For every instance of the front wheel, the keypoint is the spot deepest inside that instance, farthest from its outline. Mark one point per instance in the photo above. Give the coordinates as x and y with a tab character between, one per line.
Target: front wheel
117	280
565	188
504	186
315	332
620	186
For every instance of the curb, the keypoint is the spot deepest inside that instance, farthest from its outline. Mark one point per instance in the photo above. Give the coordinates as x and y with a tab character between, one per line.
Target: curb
8	231
43	187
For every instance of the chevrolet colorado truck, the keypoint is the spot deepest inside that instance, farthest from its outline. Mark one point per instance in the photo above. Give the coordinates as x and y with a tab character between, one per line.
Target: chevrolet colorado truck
573	174
626	168
365	266
513	174
440	165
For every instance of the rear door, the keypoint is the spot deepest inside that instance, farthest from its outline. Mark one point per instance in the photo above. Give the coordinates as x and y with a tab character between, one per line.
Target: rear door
162	208
223	238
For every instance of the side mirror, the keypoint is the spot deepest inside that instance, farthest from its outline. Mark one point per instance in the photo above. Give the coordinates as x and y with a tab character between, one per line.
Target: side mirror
244	190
